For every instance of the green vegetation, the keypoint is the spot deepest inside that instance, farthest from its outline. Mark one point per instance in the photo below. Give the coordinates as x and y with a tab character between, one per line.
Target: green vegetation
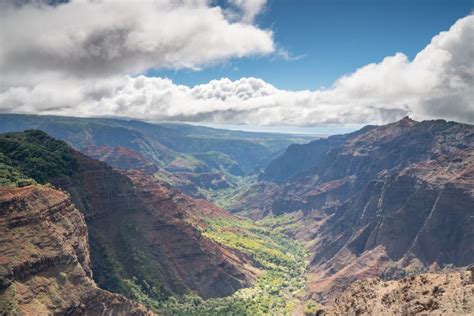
272	251
311	309
226	198
282	223
108	272
8	304
121	264
127	270
33	155
219	161
277	291
184	162
10	176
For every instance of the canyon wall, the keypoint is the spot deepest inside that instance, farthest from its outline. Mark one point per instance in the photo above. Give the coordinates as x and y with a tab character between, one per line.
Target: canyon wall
44	262
399	194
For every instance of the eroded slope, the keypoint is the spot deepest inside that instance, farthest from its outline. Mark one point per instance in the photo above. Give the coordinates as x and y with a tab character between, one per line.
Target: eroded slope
44	261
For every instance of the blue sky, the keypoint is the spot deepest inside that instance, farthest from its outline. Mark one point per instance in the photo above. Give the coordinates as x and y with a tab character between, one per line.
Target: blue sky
333	38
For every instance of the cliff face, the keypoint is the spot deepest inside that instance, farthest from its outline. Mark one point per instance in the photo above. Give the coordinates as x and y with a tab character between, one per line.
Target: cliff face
182	177
401	193
44	262
173	229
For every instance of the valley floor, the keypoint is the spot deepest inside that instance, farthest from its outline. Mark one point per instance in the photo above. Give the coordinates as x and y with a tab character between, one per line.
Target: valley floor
279	288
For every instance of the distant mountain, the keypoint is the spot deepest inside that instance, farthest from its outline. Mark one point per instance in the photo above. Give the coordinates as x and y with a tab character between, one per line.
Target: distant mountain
198	160
399	195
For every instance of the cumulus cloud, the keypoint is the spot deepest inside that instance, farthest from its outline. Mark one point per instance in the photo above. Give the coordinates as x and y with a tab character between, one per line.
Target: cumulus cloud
437	83
84	38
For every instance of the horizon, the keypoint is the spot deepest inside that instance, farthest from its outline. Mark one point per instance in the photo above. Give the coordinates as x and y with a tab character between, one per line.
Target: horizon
316	131
321	132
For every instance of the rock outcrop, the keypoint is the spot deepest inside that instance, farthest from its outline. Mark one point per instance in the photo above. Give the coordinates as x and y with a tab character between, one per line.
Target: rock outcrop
173	230
446	293
44	258
144	241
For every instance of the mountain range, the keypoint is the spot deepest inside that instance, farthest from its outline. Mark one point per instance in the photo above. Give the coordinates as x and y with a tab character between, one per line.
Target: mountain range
399	195
198	160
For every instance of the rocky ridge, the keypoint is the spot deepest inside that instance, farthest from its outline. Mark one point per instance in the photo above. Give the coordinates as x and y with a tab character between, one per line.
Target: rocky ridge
446	293
198	160
121	157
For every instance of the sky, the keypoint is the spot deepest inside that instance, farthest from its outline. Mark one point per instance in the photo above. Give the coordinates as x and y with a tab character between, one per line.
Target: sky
293	66
329	38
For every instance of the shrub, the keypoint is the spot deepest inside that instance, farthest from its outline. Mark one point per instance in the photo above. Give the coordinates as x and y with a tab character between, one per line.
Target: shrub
62	277
312	309
33	154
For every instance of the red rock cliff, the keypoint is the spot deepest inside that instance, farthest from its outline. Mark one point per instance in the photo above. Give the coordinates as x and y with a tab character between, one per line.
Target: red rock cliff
44	262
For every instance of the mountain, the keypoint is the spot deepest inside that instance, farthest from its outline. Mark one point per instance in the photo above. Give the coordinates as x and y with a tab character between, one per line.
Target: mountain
200	161
385	200
134	235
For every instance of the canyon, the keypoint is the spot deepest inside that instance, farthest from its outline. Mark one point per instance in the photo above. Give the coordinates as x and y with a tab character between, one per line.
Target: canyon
182	219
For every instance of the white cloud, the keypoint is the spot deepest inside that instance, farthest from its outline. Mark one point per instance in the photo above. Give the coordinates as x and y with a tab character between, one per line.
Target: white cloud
86	38
437	83
249	9
227	90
